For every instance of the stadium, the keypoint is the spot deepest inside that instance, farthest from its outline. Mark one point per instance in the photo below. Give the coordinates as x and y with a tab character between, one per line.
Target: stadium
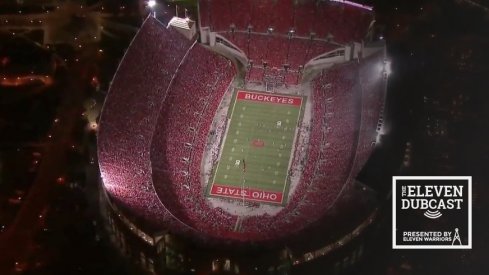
244	127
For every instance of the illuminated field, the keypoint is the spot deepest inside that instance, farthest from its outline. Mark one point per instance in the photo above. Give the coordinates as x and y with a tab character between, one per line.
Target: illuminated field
258	148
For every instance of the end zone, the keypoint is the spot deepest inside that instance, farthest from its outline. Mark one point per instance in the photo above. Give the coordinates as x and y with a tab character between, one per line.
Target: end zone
247	193
270	98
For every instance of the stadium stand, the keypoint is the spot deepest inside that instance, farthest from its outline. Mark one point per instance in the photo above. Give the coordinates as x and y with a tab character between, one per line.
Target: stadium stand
136	95
373	93
179	141
277	51
161	105
204	13
341	120
241	11
224	19
297	54
327	20
303	18
319	47
283	16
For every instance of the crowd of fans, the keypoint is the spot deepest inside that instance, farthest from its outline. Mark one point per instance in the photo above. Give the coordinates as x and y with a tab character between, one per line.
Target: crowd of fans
340	122
272	77
276	60
326	20
180	139
130	114
278	51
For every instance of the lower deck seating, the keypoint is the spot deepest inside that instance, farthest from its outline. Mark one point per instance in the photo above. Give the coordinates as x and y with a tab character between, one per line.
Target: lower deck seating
180	139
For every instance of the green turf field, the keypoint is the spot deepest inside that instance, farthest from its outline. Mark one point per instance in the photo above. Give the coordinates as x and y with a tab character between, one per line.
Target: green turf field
257	148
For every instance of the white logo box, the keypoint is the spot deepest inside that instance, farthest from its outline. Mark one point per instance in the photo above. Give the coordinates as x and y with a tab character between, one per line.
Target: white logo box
394	218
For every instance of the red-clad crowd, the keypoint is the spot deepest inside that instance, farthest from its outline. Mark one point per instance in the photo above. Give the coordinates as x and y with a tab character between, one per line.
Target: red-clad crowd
336	21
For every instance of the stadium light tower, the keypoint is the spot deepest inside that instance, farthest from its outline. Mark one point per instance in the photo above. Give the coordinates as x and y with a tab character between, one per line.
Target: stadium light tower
387	67
151	4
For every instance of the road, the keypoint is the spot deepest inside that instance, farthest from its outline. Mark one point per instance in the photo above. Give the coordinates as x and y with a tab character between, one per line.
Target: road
17	243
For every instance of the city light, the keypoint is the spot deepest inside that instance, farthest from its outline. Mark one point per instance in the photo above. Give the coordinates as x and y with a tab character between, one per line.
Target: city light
93	126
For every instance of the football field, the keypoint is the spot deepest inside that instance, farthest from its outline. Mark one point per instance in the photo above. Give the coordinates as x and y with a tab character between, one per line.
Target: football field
257	148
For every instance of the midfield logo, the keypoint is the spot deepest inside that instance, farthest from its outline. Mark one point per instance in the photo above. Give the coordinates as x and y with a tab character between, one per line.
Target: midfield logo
432	212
